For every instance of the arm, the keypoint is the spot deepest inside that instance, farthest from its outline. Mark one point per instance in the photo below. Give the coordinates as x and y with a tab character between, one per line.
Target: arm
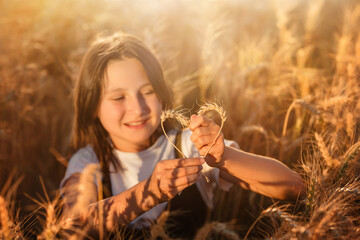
257	173
168	179
260	174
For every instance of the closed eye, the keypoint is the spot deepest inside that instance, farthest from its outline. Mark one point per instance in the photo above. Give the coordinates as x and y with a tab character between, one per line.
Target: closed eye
148	92
119	98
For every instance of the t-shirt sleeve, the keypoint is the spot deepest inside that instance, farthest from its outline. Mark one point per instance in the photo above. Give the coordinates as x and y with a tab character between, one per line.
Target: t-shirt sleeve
212	173
79	161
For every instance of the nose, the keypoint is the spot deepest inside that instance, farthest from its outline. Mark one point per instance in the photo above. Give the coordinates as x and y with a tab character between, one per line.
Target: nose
138	106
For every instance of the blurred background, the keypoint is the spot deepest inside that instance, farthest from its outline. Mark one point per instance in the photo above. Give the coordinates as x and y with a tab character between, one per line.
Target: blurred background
287	72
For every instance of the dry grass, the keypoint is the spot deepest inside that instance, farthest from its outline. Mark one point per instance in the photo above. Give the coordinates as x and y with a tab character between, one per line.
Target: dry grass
287	74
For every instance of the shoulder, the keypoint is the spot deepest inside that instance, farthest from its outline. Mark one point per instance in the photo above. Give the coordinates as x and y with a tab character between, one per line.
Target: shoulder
84	155
81	158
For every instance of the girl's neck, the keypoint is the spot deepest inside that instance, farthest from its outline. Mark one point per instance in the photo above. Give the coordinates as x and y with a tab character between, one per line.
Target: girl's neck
138	147
133	148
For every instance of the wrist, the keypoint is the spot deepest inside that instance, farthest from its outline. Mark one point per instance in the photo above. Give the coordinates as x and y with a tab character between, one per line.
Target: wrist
151	197
214	162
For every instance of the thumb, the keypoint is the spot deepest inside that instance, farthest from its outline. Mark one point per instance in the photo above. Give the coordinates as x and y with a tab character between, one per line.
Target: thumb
192	120
193	117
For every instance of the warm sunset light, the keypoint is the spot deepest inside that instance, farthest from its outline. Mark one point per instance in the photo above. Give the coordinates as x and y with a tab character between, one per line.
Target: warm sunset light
179	119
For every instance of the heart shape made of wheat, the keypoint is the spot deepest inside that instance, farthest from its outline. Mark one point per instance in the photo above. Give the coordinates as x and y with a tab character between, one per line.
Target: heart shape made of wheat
185	121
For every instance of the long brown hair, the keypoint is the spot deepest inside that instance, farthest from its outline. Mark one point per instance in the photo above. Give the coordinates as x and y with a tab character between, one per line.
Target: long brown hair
89	87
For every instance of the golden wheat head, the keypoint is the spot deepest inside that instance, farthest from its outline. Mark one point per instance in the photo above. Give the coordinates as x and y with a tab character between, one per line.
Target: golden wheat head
171	113
212	106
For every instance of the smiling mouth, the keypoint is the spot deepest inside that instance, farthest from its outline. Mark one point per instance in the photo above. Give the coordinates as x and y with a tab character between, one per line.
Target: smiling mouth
136	124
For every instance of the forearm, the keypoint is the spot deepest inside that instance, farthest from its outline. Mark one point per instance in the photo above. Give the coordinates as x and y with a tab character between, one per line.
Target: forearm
261	174
126	206
110	212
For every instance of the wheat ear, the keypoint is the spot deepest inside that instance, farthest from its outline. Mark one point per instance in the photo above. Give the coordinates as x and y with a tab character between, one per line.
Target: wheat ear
218	227
157	230
51	228
221	111
86	179
184	121
4	219
283	215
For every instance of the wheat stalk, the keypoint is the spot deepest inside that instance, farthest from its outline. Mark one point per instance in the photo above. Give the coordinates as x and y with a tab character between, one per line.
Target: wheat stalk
296	102
101	204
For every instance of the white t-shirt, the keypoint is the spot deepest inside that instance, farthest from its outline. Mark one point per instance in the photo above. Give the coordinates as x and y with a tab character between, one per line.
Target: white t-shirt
139	166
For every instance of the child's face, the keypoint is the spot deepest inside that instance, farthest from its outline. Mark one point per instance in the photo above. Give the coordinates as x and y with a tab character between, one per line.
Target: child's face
129	108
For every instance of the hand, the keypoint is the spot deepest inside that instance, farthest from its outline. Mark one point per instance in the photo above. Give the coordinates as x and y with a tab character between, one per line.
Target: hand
172	176
205	131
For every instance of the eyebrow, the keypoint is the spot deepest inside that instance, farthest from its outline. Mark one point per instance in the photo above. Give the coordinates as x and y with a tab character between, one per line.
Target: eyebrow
123	89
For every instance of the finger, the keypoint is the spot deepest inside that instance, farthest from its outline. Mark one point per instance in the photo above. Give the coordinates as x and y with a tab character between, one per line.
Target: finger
208	140
204	150
185	180
172	191
183	171
203	131
204	141
197	121
182	187
182	162
215	150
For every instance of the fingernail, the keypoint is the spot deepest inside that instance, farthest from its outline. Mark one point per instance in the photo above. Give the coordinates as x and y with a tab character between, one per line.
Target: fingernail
202	160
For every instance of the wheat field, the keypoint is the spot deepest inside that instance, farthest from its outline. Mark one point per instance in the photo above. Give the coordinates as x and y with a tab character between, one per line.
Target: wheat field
286	71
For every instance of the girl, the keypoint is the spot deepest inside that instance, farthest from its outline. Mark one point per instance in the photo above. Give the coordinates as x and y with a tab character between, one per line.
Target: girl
119	97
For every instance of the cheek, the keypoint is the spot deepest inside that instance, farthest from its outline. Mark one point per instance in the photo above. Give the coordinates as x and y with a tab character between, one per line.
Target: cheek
156	107
110	111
